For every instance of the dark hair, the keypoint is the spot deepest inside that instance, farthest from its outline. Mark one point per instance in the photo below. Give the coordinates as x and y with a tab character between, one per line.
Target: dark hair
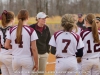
90	18
68	22
6	17
98	18
22	15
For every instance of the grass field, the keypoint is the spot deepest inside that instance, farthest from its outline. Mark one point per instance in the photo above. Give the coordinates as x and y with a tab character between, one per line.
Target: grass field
51	20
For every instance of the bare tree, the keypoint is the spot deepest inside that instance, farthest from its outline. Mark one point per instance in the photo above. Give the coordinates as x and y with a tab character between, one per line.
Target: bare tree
1	6
51	7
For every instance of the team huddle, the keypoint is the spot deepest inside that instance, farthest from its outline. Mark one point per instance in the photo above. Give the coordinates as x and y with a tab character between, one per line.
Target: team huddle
85	46
24	49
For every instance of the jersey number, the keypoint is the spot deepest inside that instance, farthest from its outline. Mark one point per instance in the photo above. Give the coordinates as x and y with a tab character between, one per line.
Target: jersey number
95	46
65	48
20	45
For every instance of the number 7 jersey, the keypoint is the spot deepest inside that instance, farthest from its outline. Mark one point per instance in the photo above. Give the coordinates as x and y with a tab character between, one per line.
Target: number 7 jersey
91	49
66	43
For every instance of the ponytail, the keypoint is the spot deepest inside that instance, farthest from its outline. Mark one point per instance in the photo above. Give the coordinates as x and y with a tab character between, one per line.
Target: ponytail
6	17
22	16
3	20
68	22
19	32
95	32
90	18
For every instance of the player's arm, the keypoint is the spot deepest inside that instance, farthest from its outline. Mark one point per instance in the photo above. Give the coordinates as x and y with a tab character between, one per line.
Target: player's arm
53	50
34	37
79	52
52	43
35	54
80	47
7	44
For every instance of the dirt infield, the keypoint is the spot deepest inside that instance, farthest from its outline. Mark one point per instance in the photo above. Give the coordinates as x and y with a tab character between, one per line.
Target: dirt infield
50	68
51	63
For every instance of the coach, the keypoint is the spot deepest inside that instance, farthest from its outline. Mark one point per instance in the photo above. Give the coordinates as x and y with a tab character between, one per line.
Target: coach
44	36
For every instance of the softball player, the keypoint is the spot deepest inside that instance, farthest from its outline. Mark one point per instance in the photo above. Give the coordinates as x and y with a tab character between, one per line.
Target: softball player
23	39
98	22
90	37
78	31
66	43
79	64
7	19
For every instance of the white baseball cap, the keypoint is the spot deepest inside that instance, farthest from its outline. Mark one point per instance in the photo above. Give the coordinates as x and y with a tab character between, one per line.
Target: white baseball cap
41	15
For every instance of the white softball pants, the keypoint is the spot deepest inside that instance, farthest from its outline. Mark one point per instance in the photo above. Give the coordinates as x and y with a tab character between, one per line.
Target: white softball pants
22	65
6	66
90	66
66	66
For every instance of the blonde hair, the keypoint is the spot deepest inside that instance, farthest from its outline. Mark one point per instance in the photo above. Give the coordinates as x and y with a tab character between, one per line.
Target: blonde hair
68	22
22	15
90	18
7	16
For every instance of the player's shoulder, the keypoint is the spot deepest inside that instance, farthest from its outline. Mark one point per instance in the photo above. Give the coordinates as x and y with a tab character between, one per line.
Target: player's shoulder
75	35
28	27
12	28
84	32
79	28
58	32
5	28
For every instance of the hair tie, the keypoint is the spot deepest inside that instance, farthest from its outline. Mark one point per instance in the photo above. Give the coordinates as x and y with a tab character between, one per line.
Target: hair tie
21	19
93	19
4	12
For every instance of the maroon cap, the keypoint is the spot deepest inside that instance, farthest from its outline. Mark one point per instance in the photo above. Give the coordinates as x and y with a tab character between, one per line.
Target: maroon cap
80	15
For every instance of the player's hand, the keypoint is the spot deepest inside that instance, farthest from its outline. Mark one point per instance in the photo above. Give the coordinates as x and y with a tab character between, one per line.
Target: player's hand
35	68
78	59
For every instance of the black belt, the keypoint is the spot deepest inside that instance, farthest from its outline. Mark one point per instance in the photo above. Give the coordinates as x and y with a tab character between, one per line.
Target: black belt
63	57
4	48
59	57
